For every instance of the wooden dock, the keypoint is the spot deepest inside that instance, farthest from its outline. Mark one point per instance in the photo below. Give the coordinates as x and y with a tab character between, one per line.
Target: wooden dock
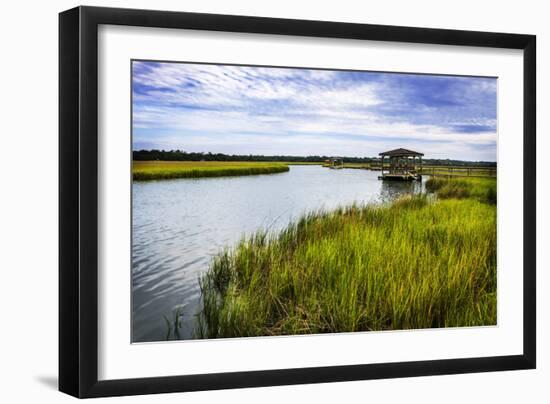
454	171
406	165
403	165
405	176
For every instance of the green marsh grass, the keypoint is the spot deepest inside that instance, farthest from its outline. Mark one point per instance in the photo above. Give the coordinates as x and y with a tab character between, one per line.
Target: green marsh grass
417	263
156	170
482	189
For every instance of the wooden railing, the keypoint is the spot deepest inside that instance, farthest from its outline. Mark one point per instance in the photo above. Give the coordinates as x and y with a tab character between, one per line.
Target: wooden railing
458	171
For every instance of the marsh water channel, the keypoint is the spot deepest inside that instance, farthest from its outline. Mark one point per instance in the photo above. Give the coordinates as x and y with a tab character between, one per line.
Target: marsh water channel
178	225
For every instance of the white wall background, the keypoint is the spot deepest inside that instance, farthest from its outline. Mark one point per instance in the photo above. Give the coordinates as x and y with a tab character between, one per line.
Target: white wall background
28	199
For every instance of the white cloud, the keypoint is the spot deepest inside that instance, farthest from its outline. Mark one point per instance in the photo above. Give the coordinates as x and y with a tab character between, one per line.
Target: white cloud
230	107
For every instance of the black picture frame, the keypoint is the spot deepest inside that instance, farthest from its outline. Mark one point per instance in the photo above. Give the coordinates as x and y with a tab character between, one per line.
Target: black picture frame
78	200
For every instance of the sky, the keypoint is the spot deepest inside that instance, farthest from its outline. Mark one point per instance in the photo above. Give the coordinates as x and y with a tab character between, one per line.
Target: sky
300	112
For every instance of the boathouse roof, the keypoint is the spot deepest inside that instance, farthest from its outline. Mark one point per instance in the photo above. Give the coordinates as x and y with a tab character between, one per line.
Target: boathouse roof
400	153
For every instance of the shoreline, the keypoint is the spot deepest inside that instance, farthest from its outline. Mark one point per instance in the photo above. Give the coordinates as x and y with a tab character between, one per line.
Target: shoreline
345	270
161	170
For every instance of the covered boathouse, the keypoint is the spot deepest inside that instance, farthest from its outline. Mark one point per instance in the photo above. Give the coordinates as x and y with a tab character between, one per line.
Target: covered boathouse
403	165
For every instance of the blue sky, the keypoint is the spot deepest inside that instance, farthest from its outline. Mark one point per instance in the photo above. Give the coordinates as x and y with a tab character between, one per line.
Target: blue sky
255	110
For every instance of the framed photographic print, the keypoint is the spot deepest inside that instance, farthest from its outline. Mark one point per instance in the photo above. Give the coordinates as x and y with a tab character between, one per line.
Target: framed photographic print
251	201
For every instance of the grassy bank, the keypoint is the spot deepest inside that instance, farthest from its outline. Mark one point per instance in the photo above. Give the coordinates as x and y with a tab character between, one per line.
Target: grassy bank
481	189
155	170
417	263
364	166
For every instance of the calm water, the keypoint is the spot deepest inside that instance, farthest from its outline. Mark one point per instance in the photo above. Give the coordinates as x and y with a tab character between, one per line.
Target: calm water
179	224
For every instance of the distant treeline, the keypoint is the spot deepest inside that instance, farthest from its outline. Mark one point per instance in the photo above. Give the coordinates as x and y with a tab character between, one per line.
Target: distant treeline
179	155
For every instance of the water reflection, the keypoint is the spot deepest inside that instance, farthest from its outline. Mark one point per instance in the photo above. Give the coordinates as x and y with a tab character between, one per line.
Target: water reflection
178	225
393	189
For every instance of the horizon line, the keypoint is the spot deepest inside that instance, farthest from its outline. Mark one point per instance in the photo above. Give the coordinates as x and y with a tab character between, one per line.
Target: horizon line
300	156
